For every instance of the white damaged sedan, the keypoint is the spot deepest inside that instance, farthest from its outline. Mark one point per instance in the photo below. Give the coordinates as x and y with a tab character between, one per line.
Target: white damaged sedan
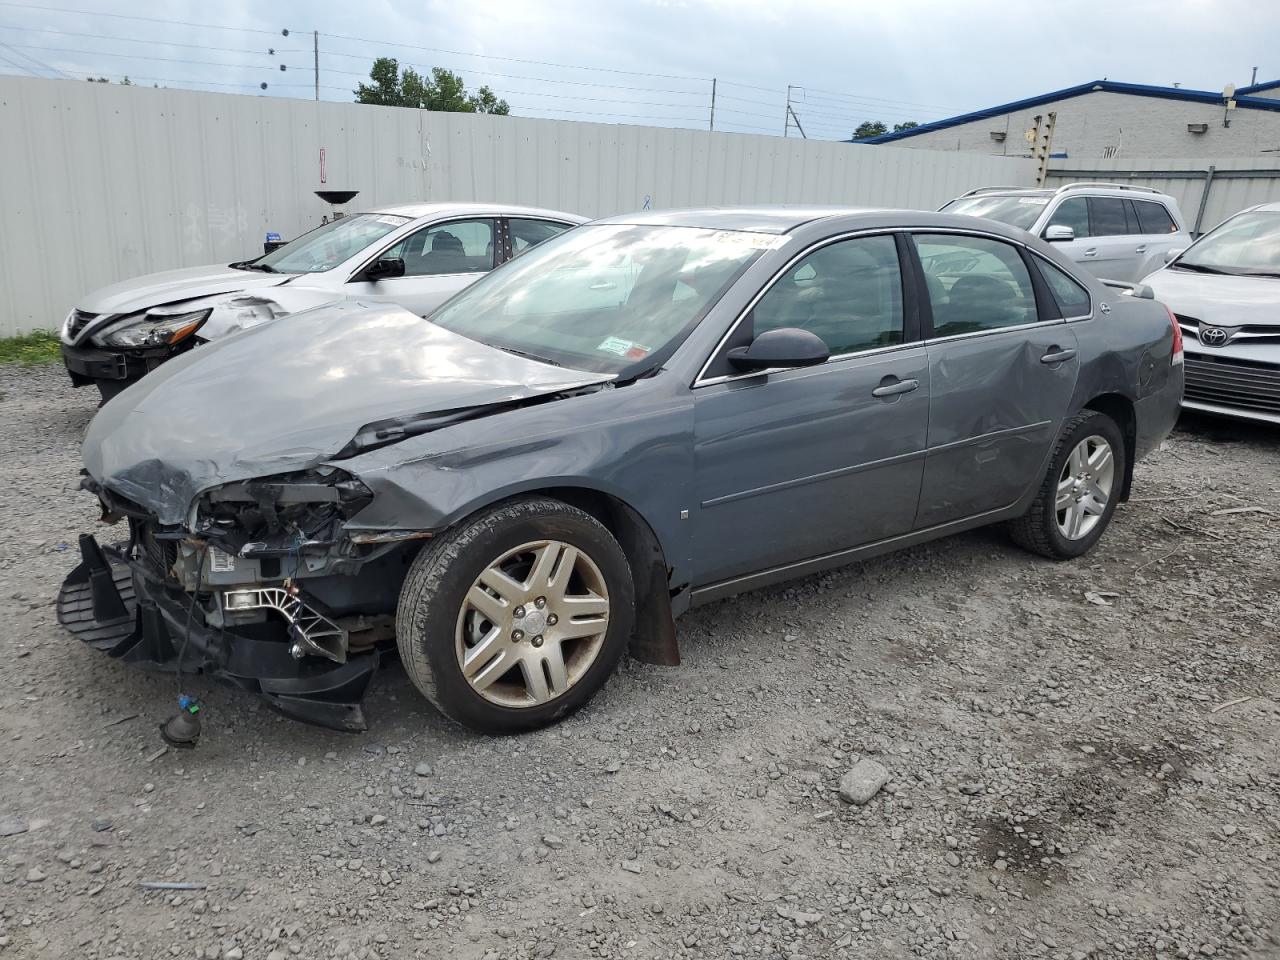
1225	292
414	255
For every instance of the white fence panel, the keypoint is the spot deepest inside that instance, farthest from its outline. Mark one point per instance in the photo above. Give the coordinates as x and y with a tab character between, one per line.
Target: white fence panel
100	183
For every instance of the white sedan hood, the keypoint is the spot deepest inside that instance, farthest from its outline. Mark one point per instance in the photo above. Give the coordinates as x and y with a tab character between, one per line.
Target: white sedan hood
1218	299
171	286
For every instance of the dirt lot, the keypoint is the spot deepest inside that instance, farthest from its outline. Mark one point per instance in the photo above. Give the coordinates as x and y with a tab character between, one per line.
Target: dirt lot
1085	761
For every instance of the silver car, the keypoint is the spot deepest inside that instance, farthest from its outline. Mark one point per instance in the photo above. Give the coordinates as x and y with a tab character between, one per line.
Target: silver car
1117	231
644	414
1225	291
416	255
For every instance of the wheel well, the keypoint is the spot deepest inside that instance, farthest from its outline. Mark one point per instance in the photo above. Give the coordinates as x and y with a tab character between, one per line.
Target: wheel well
1120	409
654	639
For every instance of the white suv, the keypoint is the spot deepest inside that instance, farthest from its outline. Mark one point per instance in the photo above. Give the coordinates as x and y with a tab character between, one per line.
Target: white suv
1115	230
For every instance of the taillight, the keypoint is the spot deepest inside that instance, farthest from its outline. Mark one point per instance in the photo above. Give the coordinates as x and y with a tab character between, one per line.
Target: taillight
1177	338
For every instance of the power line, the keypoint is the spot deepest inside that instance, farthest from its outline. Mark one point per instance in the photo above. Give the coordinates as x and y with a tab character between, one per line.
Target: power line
118	39
17	66
12	48
514	76
485	56
134	56
128	16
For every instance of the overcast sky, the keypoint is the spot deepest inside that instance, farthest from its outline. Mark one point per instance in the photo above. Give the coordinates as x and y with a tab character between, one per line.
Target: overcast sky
654	59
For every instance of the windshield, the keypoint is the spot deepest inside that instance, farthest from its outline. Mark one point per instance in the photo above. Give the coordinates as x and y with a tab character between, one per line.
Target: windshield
1015	211
329	244
603	298
1246	244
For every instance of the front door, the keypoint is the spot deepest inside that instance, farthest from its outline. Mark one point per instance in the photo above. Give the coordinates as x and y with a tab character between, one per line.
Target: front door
439	260
796	464
1000	377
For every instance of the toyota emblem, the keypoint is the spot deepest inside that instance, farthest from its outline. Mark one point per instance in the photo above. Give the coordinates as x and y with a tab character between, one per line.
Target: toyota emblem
1213	336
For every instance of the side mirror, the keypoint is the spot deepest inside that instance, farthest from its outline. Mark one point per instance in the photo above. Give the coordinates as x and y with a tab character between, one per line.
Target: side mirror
784	347
1058	232
1171	255
385	269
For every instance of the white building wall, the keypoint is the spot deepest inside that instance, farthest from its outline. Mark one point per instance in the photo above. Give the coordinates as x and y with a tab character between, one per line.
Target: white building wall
1101	124
101	182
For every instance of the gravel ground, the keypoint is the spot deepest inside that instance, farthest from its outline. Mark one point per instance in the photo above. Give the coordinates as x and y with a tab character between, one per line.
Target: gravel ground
1083	759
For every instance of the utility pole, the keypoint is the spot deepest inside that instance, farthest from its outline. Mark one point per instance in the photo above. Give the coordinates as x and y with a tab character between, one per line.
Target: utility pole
797	120
712	124
786	114
1255	77
315	48
1041	138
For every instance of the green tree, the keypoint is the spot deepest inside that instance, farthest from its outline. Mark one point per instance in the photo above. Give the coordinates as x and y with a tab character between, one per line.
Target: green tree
391	86
869	128
906	125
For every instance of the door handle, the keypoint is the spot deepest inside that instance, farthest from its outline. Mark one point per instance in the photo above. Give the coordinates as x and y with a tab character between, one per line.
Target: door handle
1142	249
1091	252
894	387
1057	355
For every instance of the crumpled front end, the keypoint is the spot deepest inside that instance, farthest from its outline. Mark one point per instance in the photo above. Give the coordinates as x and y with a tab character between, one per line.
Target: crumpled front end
266	592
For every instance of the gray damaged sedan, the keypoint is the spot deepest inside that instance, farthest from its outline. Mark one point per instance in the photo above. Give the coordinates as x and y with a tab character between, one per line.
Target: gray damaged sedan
645	414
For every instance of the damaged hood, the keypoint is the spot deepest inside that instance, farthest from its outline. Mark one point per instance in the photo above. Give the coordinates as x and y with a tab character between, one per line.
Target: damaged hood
287	396
132	296
1218	299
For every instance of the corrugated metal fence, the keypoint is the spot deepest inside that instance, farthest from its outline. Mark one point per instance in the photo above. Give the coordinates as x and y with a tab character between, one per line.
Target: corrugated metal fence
100	182
1208	193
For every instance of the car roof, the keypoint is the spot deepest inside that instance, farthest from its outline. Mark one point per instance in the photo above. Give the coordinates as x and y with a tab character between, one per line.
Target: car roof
752	219
420	210
1067	189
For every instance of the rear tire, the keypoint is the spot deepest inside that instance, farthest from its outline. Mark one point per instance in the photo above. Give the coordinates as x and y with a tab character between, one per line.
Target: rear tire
517	617
1080	490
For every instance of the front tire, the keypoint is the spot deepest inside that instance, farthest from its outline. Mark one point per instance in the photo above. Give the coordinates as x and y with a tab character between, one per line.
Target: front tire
517	617
1080	491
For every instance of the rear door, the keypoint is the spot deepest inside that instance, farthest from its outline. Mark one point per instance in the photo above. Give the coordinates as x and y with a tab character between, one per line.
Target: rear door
1002	369
523	233
1157	234
439	260
796	464
1115	239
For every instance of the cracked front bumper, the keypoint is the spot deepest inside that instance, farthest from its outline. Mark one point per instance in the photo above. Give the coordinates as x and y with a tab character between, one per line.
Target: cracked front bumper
121	608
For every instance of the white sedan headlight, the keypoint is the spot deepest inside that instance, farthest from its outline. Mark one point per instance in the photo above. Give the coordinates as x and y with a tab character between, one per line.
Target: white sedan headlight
155	331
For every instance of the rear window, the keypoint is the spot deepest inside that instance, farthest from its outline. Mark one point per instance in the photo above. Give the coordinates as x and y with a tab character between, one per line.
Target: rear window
1154	218
1072	298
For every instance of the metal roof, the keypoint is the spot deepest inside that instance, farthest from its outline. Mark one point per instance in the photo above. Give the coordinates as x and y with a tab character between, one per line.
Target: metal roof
1242	98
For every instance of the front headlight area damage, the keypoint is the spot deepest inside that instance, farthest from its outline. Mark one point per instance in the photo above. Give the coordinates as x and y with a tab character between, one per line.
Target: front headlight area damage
276	550
171	326
261	586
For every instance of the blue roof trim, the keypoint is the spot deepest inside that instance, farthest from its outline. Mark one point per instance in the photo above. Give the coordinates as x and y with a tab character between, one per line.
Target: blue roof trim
1258	88
1097	86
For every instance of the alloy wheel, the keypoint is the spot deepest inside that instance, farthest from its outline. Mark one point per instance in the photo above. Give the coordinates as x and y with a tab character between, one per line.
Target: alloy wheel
1084	487
532	624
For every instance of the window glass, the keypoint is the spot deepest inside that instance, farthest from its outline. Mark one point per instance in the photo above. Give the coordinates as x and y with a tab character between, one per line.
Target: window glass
464	246
1017	211
1154	218
529	233
1072	212
1248	243
848	293
1073	299
1106	214
330	244
975	284
603	297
